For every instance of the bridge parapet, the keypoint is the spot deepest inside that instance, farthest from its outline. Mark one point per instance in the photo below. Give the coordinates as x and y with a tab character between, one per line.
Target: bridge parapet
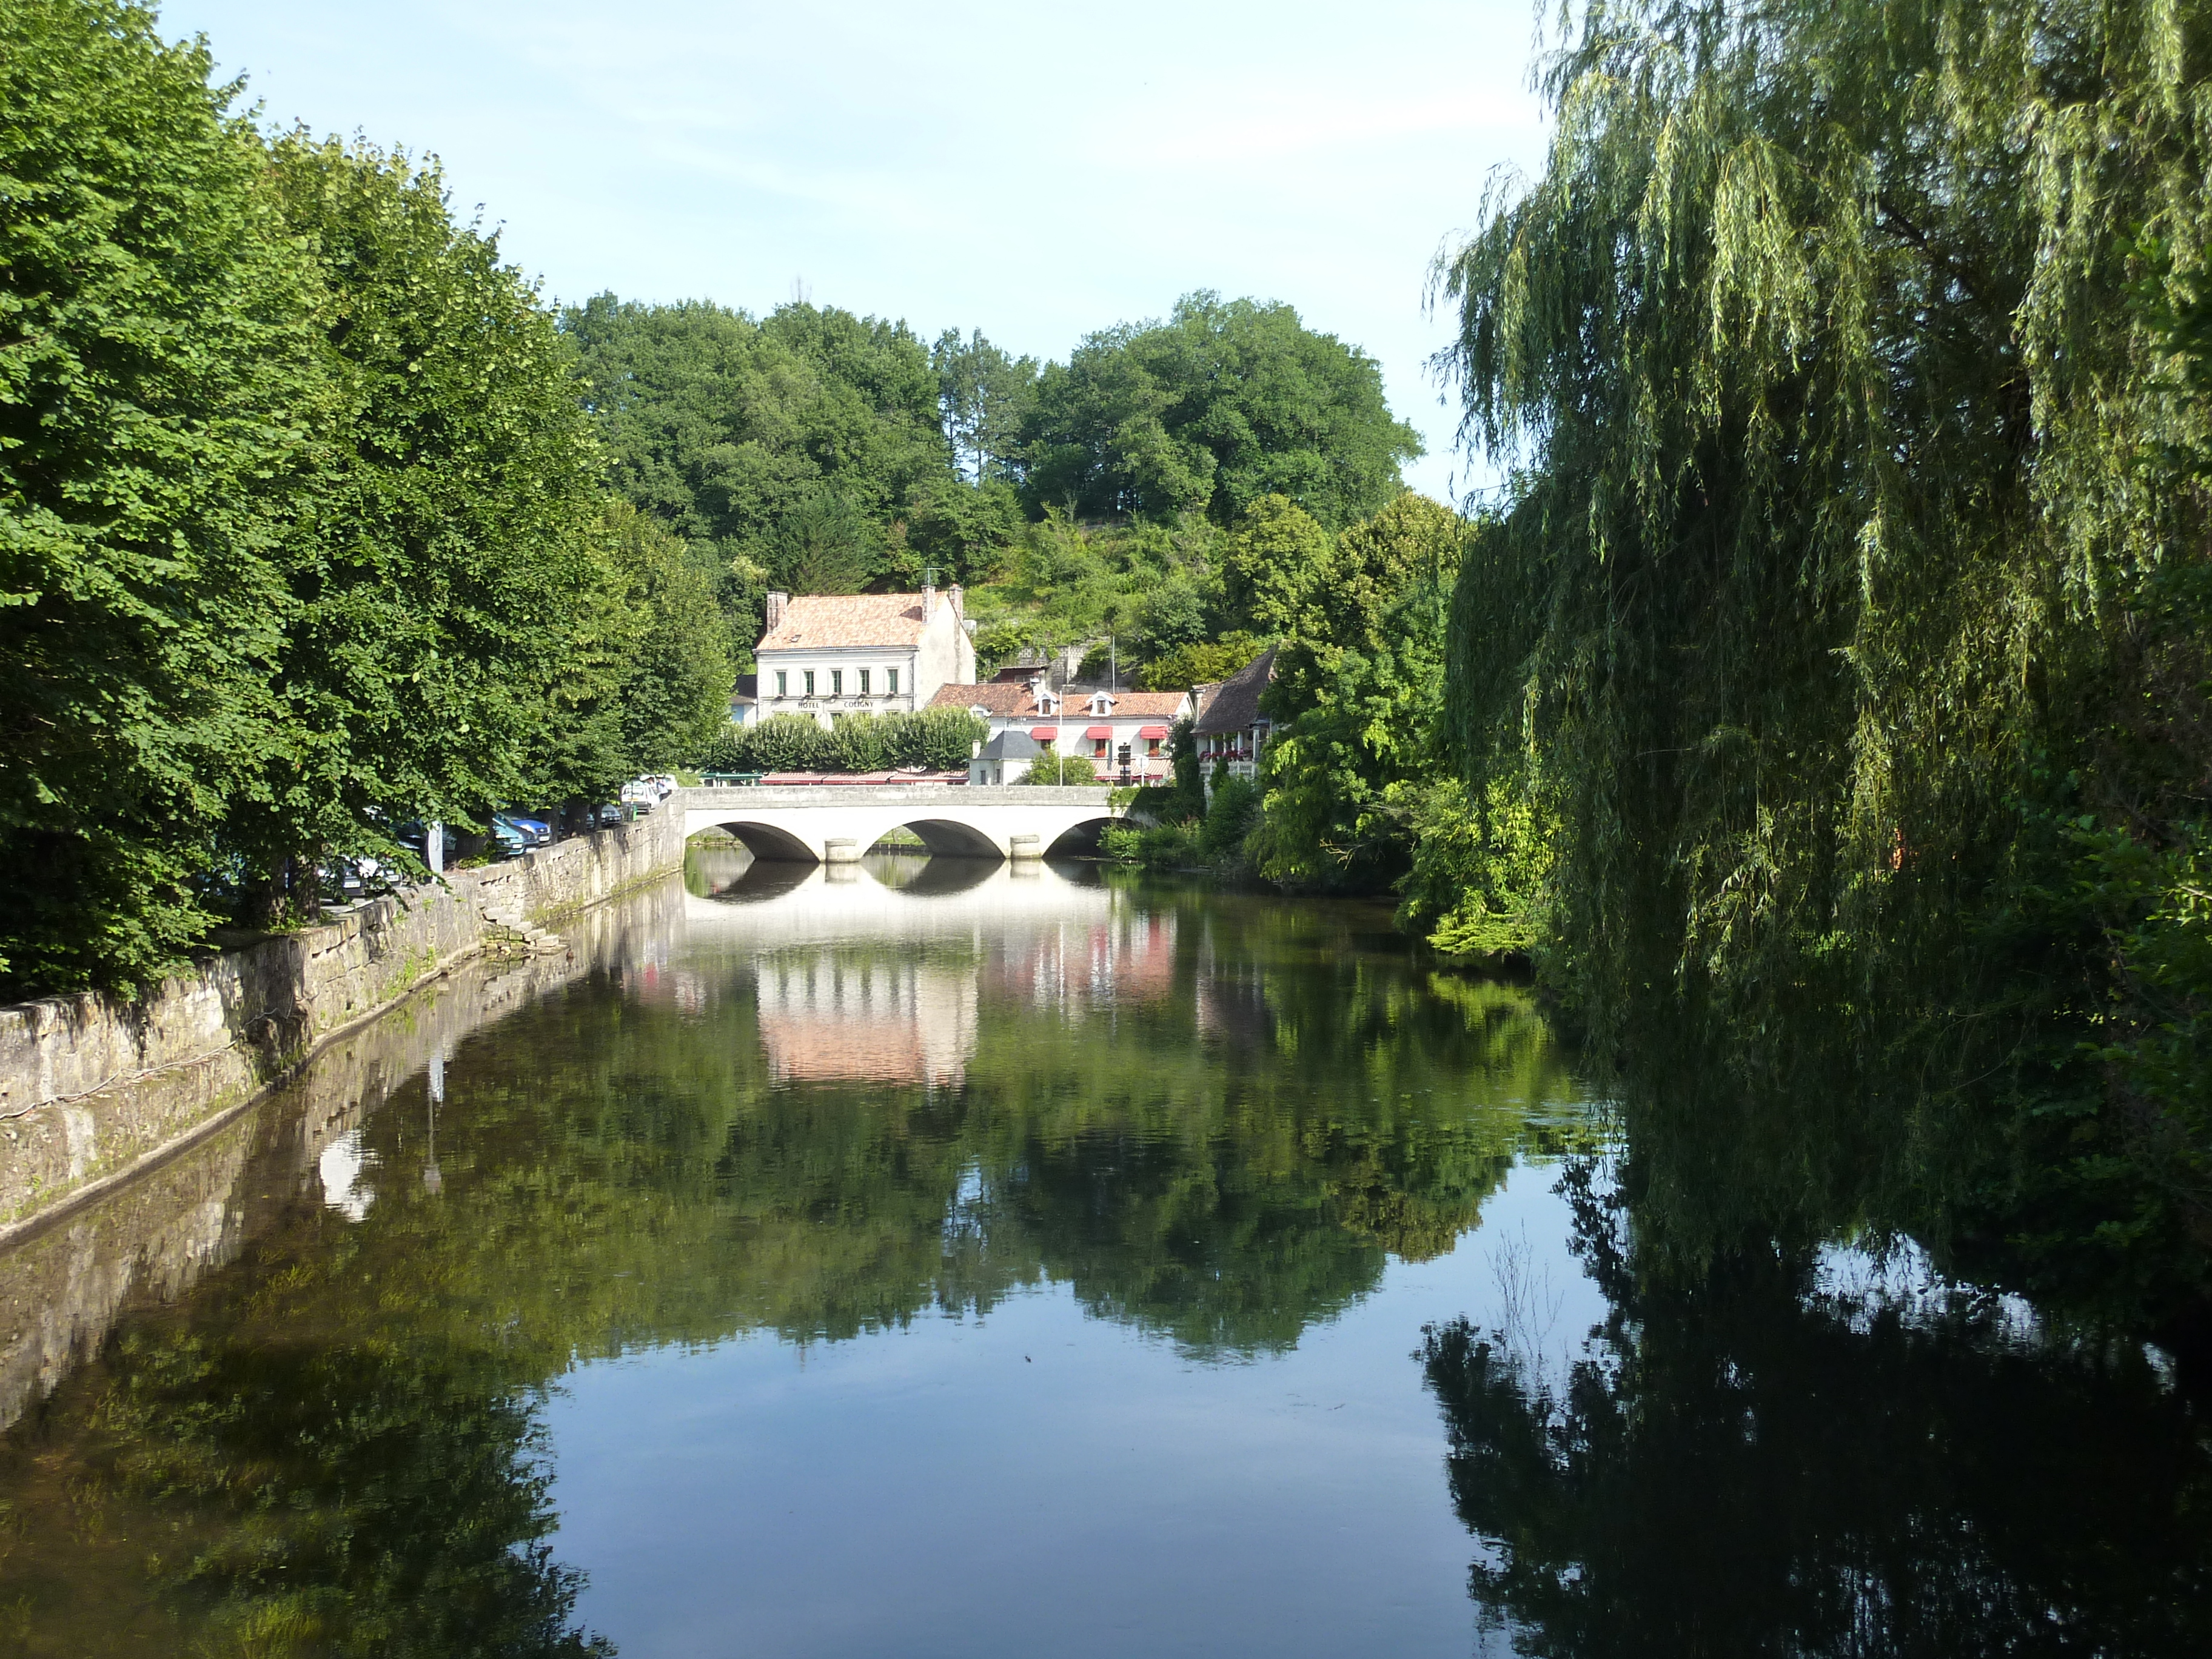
834	822
817	795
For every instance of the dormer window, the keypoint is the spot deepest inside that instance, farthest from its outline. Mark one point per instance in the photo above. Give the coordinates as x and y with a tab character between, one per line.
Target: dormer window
1102	704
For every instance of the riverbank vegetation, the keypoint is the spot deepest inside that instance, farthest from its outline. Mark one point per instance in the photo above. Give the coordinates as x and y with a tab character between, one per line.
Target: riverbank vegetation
304	532
1844	629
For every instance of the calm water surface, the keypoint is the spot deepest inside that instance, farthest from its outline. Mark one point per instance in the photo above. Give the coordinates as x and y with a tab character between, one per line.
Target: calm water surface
948	1261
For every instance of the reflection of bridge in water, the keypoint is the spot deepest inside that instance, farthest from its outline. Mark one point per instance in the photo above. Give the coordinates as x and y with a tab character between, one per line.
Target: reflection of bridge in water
835	823
842	996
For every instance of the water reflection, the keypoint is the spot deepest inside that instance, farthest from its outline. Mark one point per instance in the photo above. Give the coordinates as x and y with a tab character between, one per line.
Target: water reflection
1757	1456
811	1105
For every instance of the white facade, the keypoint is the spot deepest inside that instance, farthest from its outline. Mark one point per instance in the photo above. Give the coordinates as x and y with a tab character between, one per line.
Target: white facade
876	654
1085	721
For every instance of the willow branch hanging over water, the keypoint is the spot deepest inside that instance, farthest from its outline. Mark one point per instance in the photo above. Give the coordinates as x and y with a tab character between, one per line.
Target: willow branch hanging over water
1849	604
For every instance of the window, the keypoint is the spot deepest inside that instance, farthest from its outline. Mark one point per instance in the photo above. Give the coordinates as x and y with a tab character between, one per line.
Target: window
864	682
810	682
1098	747
782	683
836	681
890	682
1152	745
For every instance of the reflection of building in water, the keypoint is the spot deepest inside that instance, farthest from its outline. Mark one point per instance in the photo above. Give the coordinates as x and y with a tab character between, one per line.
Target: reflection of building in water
1126	956
831	1016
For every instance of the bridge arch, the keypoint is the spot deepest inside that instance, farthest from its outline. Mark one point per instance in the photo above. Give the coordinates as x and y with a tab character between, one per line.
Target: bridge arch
766	841
1079	835
947	837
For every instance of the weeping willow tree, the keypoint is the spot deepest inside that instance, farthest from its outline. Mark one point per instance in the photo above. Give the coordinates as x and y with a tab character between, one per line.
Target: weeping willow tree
1844	596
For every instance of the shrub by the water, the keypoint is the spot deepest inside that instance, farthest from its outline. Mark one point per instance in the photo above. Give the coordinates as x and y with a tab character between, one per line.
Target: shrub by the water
935	739
1235	809
1069	770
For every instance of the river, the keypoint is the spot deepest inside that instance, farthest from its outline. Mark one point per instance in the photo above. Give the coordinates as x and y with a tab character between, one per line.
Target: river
941	1258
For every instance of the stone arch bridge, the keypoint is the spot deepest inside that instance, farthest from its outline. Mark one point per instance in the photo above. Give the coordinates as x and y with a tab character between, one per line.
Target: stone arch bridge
835	823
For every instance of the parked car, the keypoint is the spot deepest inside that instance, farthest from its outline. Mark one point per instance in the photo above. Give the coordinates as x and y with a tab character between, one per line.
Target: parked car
643	794
535	832
611	813
506	840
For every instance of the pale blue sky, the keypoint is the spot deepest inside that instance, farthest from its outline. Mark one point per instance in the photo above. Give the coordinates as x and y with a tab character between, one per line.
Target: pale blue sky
1031	170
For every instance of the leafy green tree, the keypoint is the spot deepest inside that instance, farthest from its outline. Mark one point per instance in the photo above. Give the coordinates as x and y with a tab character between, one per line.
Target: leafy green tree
1479	871
1827	592
1231	818
1057	769
1204	662
824	544
1279	568
160	391
862	742
810	434
983	397
1339	778
456	637
677	682
1412	542
789	743
1209	411
938	739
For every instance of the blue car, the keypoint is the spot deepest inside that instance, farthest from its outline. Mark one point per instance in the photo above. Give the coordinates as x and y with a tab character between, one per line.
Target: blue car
535	832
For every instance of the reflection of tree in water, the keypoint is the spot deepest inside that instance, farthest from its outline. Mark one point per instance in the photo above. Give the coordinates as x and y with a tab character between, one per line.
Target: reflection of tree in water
332	1441
1738	1467
241	1485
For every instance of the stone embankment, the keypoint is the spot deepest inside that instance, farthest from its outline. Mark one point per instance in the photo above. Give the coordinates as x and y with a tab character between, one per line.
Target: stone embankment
152	1238
93	1089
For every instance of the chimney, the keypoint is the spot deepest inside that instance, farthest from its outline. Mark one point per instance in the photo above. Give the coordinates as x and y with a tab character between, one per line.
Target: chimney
773	617
953	594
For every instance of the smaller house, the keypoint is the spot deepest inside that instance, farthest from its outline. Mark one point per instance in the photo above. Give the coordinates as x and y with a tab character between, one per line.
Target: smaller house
1117	731
745	701
1005	759
1231	728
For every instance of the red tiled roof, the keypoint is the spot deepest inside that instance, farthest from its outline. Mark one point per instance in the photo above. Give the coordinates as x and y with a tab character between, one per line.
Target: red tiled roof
1012	701
1136	705
849	621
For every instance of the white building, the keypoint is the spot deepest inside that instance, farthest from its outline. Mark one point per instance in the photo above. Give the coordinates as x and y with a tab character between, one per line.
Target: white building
855	653
1110	729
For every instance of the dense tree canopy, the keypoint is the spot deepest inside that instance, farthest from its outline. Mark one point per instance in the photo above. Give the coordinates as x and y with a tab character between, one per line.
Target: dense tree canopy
1221	404
302	523
1844	592
454	635
159	382
806	448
